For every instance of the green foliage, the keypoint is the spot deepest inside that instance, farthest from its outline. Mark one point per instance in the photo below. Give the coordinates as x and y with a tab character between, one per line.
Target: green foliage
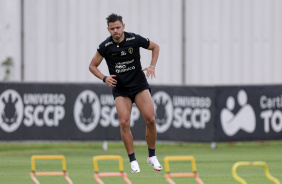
7	64
213	165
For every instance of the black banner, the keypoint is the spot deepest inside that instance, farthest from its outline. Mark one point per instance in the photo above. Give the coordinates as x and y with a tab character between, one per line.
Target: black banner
248	113
184	113
35	111
40	111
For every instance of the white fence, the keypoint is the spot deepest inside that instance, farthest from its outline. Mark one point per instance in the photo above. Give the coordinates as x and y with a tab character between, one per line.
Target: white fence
215	42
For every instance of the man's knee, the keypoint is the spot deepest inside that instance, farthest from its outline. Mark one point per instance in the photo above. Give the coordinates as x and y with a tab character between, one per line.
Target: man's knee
125	124
150	121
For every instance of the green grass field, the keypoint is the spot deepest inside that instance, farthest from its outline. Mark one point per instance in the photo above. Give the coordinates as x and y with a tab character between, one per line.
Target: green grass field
213	165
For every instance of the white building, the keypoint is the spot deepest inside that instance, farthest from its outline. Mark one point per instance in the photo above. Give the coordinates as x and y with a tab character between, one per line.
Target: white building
203	42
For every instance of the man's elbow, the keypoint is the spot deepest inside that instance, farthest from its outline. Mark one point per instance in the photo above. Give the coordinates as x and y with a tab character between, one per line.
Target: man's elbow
158	47
91	68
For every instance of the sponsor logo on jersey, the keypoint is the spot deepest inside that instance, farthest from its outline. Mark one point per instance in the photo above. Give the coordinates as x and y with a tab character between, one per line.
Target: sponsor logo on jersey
120	66
123	66
123	53
131	38
130	50
125	69
109	43
125	62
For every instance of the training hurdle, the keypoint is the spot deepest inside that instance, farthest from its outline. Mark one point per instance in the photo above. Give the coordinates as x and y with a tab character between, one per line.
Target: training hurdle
48	157
256	163
97	175
169	175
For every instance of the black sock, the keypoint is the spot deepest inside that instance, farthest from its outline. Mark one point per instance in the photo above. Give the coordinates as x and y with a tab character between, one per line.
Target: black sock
131	157
151	152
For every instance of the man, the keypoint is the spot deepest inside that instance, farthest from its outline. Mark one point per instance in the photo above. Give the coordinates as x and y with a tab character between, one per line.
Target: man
129	84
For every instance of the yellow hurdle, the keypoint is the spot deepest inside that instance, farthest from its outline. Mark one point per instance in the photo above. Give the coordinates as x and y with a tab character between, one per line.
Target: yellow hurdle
97	175
169	175
257	163
49	157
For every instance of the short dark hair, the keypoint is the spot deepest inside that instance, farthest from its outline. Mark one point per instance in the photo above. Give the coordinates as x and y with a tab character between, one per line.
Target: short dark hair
114	17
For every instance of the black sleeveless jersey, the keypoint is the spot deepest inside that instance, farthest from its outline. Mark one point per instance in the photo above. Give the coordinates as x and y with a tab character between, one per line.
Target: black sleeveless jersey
123	59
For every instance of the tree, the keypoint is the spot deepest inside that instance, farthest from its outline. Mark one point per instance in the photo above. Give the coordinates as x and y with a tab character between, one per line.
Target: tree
7	64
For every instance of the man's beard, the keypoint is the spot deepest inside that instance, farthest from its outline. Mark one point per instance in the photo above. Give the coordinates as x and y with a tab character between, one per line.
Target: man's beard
118	36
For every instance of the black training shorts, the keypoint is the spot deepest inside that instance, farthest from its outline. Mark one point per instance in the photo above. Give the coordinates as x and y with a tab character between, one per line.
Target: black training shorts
131	93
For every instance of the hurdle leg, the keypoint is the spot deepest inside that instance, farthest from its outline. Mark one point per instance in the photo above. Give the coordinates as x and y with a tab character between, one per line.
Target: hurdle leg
34	178
96	177
169	180
68	179
113	174
125	178
266	171
199	180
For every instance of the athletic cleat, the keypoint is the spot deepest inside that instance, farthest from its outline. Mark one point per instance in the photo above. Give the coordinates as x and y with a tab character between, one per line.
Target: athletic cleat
155	163
134	166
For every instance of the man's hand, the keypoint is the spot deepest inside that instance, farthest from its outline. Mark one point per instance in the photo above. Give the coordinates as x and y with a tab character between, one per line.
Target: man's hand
110	81
150	72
